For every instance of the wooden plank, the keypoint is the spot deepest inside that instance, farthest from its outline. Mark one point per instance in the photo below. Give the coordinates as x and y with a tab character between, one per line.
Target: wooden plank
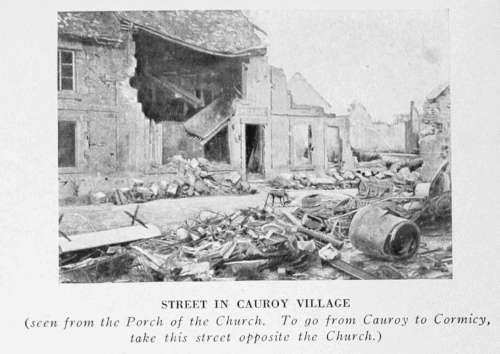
163	82
108	237
351	270
311	233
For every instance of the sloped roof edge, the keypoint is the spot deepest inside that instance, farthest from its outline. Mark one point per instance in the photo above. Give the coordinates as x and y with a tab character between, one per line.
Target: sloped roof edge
299	76
215	32
437	91
254	50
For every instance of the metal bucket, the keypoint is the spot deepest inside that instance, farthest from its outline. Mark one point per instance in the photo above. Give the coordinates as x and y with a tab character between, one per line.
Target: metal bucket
376	232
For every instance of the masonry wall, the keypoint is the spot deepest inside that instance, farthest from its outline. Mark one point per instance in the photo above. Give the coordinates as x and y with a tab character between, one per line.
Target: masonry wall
434	140
176	141
113	136
367	135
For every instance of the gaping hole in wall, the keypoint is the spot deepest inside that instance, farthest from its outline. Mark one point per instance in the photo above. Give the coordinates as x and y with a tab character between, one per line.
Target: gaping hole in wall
333	145
254	147
217	148
66	143
175	84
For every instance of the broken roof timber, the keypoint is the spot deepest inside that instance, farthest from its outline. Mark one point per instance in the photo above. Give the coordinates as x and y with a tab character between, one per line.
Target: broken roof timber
210	120
186	95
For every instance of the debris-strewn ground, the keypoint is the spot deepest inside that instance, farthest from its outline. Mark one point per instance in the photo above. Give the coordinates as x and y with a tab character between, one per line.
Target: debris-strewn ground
235	238
178	178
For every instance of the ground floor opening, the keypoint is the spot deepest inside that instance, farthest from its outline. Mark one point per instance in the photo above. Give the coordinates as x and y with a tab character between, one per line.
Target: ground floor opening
254	150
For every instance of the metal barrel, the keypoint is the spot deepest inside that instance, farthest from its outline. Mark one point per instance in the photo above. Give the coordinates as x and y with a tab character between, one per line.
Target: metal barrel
378	233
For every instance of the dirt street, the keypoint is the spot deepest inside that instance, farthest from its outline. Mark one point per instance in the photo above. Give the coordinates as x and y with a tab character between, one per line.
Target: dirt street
167	213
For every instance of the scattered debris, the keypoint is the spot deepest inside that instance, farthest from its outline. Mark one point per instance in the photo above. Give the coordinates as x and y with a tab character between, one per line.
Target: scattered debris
347	268
328	253
357	236
374	177
180	178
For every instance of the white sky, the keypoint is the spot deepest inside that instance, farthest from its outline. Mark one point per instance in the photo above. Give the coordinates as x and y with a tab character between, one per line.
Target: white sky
383	59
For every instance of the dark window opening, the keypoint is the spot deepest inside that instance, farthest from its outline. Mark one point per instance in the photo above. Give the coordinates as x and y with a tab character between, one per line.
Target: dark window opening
217	149
65	70
254	147
67	143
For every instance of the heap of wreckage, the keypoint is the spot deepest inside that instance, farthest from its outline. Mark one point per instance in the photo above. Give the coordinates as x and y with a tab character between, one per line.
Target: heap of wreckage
374	234
188	178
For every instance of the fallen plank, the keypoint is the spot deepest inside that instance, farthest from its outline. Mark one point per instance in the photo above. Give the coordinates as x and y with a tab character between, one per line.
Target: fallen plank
109	237
311	233
351	270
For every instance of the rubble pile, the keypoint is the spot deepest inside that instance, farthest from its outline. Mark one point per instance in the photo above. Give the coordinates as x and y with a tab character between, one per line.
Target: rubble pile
305	181
372	178
314	240
184	178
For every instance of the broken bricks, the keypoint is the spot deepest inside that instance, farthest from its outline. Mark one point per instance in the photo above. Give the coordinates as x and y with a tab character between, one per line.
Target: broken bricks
255	243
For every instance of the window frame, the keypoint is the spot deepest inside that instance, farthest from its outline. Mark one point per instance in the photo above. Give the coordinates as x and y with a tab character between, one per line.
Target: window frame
78	141
297	165
59	70
327	162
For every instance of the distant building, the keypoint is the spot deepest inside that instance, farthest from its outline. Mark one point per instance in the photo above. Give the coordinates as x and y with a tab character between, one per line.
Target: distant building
369	135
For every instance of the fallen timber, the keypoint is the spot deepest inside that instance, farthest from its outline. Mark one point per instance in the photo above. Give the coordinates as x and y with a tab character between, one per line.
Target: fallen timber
253	243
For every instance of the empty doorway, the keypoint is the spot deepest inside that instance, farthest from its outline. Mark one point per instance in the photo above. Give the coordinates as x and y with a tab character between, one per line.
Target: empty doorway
333	145
254	150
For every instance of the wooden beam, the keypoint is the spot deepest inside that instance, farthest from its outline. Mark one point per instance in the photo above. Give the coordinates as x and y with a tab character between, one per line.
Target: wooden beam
351	270
108	237
186	95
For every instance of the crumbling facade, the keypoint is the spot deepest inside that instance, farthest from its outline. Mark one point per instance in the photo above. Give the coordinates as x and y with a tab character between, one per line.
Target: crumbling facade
137	88
434	140
369	135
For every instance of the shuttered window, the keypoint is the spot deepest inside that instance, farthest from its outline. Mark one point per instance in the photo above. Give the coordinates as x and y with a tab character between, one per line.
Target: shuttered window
65	70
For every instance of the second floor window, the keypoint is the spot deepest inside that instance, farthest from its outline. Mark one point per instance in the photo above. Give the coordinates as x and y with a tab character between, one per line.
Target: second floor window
65	70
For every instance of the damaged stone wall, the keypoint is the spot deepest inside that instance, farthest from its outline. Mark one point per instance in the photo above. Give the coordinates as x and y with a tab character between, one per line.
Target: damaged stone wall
176	141
343	124
367	135
113	136
434	140
288	120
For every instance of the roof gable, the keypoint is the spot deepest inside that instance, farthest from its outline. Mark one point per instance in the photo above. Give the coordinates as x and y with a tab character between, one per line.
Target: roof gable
304	94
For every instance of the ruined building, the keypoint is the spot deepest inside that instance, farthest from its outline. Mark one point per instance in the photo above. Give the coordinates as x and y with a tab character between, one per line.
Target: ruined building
136	88
434	140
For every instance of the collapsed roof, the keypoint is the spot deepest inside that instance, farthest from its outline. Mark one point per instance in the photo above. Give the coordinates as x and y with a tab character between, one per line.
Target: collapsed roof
95	25
226	33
